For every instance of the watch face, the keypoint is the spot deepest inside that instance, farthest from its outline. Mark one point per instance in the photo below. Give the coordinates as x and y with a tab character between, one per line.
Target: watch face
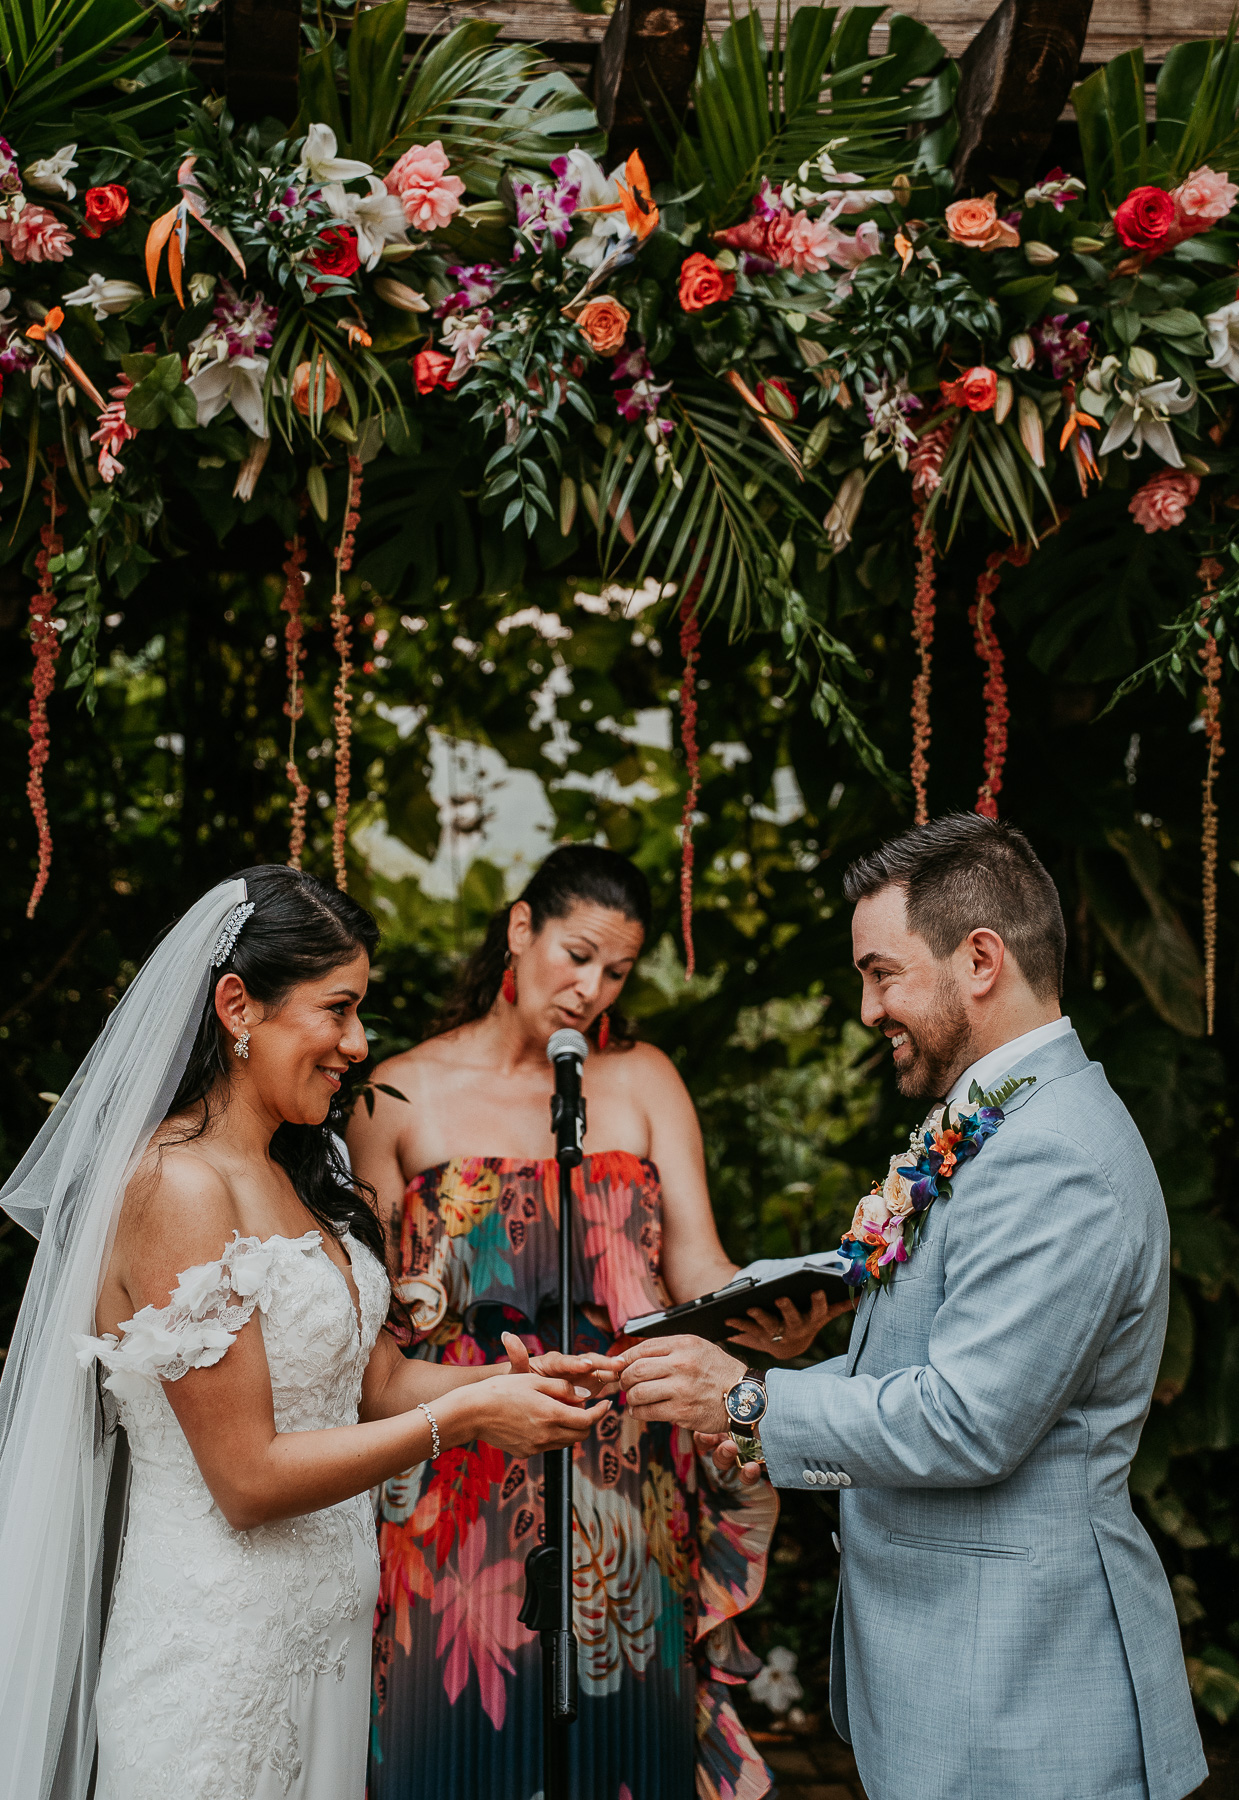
746	1402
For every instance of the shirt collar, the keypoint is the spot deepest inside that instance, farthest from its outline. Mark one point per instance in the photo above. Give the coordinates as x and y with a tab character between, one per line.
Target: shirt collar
988	1070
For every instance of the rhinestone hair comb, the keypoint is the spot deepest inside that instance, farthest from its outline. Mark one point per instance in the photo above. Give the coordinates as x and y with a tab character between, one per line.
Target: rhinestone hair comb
231	932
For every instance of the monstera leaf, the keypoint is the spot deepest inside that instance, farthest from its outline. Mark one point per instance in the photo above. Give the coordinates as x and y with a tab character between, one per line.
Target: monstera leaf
1144	928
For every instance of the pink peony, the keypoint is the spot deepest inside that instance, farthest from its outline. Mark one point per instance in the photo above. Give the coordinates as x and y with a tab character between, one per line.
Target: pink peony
1162	502
35	235
1203	199
429	195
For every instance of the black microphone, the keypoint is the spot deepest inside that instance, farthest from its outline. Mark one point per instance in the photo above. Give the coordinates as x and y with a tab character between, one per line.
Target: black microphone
566	1051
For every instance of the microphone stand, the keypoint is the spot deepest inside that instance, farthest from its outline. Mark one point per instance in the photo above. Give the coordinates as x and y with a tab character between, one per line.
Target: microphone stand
547	1606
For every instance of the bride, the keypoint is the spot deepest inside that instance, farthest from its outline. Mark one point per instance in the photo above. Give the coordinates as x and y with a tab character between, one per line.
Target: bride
209	1277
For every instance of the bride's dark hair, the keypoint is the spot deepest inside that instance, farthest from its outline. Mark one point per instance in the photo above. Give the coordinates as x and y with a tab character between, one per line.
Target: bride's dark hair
299	930
570	875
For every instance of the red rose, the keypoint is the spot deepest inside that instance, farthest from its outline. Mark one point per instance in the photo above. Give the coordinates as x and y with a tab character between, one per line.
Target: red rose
703	283
105	207
336	254
977	389
1145	219
430	369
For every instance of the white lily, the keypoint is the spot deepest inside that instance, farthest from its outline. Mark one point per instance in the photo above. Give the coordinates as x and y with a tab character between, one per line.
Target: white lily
597	188
201	287
1021	350
105	296
318	160
51	173
1223	329
377	217
236	381
400	295
1144	418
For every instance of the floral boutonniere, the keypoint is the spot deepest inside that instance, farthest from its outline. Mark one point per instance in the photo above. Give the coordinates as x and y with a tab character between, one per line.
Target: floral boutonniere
887	1223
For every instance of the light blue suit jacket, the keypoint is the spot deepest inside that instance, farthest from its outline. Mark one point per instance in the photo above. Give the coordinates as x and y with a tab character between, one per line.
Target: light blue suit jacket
1004	1629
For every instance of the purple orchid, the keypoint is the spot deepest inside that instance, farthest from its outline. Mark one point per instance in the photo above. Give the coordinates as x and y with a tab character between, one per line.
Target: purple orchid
1066	348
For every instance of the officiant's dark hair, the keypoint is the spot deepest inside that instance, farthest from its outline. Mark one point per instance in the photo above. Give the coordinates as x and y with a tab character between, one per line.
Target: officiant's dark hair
961	873
299	930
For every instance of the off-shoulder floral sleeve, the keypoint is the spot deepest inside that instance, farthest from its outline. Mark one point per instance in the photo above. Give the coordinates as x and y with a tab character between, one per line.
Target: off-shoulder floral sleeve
208	1307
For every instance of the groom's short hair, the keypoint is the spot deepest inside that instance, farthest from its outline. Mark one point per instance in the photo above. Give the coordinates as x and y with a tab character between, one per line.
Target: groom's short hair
961	873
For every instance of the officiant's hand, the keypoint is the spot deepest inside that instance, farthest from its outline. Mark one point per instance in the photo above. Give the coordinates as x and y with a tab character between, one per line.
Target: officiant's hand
791	1333
680	1379
598	1374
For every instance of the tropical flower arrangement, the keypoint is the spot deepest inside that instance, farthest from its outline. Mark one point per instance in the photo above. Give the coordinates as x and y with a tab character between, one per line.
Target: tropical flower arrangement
705	380
887	1223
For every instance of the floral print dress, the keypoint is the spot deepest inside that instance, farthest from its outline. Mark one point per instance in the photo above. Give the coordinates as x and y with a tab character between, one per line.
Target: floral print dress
666	1552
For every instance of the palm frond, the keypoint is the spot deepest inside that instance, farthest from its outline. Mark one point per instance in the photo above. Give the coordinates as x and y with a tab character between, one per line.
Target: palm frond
762	107
491	104
56	54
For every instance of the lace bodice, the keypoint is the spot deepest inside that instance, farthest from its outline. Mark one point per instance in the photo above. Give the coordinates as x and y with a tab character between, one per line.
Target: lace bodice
216	1634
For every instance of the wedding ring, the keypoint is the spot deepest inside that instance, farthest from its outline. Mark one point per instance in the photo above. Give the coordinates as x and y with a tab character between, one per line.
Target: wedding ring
776	1337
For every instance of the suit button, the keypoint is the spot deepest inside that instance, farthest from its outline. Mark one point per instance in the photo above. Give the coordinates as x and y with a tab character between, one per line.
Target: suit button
845	1480
833	1478
809	1476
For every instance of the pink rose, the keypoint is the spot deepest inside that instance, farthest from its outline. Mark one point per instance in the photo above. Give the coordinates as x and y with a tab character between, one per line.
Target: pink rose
1162	502
429	195
35	235
846	252
1203	199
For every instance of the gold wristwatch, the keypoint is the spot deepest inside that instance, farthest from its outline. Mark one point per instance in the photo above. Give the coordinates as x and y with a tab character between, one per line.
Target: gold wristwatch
746	1406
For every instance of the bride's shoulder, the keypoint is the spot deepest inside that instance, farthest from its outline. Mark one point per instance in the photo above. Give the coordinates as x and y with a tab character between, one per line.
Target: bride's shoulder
179	1212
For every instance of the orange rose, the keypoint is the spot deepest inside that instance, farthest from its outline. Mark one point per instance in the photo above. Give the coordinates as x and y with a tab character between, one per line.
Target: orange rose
603	323
328	388
703	283
977	389
976	224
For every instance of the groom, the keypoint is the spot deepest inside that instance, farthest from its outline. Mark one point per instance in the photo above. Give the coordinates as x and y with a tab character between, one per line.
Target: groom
1004	1630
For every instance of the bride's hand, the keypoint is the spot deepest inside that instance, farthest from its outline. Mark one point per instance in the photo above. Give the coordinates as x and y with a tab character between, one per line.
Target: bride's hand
789	1335
600	1374
528	1414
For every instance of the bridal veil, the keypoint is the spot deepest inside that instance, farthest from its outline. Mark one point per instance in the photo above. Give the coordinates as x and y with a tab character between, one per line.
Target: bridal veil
56	1441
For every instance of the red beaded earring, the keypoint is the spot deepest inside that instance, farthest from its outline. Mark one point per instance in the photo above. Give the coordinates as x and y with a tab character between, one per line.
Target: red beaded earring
508	986
604	1030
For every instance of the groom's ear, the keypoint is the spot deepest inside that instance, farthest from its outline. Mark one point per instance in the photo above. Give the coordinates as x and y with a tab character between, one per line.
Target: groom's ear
984	956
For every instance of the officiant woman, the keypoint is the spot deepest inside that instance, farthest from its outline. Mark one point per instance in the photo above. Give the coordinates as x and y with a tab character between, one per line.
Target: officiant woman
667	1555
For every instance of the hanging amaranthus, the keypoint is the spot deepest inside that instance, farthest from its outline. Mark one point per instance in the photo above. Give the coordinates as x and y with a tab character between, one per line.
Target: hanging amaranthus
923	636
997	712
1211	659
342	637
294	706
690	641
45	644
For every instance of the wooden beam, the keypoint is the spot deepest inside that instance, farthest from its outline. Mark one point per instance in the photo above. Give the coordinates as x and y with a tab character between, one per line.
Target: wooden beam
1015	77
1115	25
262	48
644	75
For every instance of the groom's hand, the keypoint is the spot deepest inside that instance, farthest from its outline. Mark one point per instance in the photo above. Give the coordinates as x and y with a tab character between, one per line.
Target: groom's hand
593	1375
719	1446
681	1380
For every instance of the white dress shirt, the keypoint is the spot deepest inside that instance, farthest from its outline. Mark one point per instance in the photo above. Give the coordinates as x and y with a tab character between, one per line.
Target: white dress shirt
989	1070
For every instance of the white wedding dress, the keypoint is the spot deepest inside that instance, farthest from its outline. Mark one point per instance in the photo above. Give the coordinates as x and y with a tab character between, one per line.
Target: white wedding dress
237	1663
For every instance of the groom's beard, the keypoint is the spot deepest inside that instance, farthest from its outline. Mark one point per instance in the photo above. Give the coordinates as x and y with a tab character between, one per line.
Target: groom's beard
939	1043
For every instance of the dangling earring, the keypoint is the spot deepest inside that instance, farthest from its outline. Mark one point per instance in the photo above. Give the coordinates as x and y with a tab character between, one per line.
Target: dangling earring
508	987
242	1047
604	1030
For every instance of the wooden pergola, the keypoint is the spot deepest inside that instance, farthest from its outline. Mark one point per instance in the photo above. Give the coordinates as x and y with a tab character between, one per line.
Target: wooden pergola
1018	61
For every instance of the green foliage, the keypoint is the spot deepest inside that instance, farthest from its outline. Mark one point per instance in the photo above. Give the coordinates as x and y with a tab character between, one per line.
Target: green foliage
60	55
488	103
761	108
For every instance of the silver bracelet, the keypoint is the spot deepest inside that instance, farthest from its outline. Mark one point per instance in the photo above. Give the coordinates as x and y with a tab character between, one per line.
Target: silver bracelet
434	1429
